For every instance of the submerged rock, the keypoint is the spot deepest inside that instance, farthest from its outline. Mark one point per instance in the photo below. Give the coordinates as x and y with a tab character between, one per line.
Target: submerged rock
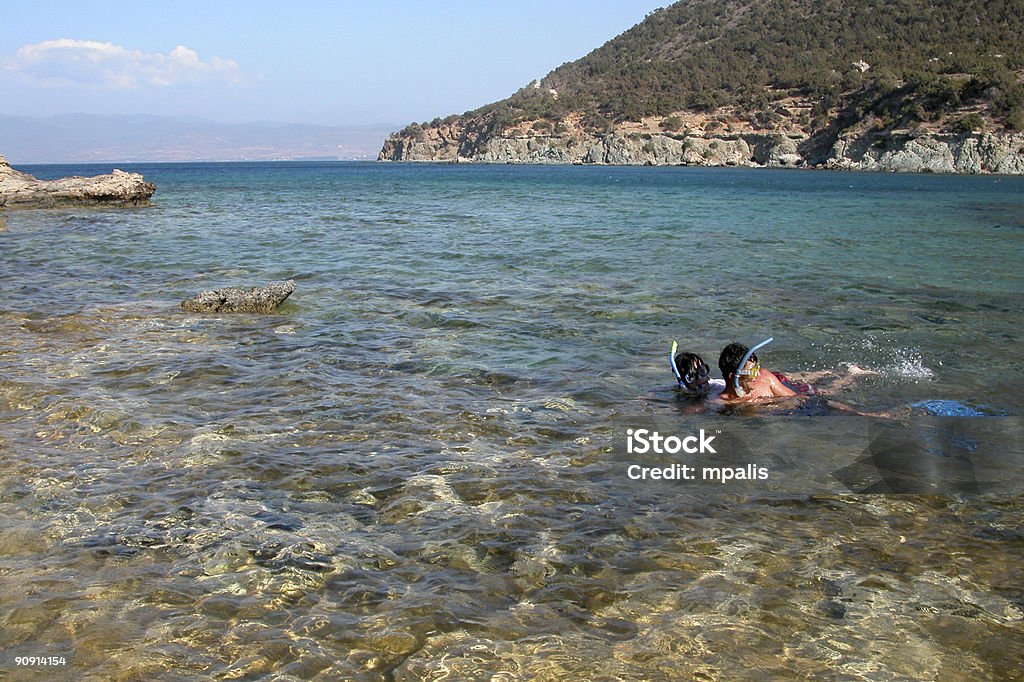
264	299
21	190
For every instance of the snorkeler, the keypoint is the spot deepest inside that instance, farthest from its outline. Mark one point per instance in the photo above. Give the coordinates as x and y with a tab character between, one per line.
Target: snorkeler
745	379
693	375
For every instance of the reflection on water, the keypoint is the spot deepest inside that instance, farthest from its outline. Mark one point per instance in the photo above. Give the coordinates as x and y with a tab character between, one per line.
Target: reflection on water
408	472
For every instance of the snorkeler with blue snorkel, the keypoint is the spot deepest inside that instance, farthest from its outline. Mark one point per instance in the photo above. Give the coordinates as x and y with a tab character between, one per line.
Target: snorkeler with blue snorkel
745	379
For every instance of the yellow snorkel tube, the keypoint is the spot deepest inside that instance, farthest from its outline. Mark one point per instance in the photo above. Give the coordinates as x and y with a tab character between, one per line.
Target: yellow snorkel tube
672	362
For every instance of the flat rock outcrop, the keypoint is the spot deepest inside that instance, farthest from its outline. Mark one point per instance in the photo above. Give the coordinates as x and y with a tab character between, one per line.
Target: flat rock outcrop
21	190
263	299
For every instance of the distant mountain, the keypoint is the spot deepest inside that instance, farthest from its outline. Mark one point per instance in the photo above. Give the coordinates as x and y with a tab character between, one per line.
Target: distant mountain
80	138
868	75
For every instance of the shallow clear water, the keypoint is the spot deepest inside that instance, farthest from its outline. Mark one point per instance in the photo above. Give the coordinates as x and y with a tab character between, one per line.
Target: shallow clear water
409	471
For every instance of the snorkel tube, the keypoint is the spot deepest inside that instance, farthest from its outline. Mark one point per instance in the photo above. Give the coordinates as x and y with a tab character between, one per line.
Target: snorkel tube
672	362
736	377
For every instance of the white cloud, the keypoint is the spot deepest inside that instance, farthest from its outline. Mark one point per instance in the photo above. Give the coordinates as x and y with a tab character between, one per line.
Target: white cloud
66	62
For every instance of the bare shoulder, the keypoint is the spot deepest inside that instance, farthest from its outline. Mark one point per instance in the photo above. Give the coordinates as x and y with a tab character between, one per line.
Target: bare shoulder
778	388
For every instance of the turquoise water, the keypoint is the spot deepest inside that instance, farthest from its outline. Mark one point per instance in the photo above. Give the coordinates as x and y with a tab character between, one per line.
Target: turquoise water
408	471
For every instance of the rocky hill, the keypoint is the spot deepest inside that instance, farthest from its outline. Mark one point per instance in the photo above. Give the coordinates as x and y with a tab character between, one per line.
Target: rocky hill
910	85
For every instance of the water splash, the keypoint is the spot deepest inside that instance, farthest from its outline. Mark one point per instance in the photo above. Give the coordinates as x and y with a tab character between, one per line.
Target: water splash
897	362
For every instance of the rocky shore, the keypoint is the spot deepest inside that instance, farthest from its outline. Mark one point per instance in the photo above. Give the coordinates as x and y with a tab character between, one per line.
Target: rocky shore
21	190
934	153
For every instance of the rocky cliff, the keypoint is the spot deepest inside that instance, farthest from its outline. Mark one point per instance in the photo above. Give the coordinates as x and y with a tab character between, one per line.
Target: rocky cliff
21	190
902	152
901	85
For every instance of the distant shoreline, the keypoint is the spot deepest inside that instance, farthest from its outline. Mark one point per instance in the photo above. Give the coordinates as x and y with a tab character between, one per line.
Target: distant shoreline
118	138
185	163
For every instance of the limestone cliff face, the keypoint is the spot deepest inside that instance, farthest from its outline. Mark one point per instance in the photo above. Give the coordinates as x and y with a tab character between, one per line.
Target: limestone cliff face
973	153
21	190
984	153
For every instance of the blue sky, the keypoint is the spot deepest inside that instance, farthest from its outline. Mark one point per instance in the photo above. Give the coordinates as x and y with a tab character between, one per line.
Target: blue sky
358	62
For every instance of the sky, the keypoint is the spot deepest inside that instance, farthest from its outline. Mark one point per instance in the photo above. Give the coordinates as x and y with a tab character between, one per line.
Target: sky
340	63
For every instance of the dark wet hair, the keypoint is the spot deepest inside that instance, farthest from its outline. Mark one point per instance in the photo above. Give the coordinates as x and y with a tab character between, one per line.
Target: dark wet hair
694	372
730	359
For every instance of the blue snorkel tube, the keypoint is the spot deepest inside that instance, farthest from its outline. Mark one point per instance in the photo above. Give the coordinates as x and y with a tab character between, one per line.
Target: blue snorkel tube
736	377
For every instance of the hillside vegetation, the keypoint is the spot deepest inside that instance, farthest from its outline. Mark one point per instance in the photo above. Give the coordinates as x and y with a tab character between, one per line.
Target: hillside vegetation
811	65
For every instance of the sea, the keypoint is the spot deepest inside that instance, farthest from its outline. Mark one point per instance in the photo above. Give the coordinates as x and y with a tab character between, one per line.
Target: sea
456	452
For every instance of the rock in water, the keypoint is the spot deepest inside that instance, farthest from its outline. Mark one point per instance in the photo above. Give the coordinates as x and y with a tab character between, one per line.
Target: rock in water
255	300
21	190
